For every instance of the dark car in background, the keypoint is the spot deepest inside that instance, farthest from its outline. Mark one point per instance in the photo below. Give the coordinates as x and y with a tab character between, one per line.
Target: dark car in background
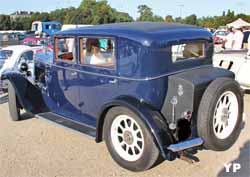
149	90
7	39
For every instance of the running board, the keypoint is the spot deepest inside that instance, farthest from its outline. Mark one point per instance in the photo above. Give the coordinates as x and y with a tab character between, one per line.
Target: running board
185	145
68	123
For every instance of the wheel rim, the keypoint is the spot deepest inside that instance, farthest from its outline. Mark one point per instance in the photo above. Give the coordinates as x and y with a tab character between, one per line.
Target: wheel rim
225	115
127	138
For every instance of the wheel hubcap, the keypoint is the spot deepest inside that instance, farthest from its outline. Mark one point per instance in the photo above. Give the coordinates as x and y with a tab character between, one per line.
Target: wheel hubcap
127	138
225	115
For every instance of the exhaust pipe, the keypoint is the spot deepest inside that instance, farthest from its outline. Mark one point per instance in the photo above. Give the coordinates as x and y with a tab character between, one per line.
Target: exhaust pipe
185	145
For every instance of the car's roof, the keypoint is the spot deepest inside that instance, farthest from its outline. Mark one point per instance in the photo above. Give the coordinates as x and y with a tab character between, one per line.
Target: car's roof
138	31
19	49
16	47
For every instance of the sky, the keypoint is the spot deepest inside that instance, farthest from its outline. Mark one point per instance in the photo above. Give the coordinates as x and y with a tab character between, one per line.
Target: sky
160	7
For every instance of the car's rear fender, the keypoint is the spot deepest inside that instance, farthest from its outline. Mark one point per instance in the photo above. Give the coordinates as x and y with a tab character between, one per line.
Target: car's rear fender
29	96
152	119
186	89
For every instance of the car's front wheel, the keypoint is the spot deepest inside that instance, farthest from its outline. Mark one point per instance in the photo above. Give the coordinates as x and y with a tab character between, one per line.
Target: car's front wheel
128	140
14	107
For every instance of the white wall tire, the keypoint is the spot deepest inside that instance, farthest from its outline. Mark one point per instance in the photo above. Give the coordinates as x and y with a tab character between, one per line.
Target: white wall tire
128	140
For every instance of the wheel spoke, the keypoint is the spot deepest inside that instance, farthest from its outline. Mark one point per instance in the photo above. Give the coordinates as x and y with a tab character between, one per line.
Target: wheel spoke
119	134
138	147
123	143
126	123
228	103
137	131
216	123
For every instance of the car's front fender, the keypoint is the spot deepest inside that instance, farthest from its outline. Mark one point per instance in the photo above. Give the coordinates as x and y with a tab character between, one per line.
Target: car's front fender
152	119
29	96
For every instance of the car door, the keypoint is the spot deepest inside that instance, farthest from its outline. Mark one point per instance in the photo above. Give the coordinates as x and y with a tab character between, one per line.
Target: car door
97	75
28	58
63	83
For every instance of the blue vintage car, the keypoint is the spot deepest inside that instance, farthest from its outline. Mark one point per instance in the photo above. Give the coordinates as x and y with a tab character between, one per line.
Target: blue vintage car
148	89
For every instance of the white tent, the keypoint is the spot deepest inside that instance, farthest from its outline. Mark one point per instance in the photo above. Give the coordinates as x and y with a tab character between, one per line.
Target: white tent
238	24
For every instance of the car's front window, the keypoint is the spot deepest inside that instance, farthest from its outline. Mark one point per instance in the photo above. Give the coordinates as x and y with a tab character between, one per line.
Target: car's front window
184	51
65	49
56	26
98	52
5	54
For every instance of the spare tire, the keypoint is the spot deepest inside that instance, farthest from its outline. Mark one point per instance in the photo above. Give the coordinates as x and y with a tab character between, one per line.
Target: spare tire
220	113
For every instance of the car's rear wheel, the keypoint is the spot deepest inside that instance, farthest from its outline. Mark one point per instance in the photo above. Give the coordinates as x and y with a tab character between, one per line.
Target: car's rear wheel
220	114
128	140
14	107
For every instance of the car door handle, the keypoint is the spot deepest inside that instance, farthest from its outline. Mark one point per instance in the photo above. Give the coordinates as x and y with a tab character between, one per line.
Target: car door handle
74	74
114	81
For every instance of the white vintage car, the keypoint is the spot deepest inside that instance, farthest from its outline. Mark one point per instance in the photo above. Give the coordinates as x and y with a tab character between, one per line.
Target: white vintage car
236	61
12	57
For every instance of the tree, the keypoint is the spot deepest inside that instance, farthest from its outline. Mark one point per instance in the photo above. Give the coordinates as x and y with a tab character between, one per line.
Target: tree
17	24
123	17
5	22
169	19
146	14
178	20
192	19
100	12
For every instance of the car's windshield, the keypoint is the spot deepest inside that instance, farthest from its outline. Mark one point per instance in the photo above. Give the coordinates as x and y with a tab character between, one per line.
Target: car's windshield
4	54
56	26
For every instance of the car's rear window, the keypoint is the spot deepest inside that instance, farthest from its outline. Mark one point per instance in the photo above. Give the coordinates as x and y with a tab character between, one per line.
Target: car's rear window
98	52
184	51
4	54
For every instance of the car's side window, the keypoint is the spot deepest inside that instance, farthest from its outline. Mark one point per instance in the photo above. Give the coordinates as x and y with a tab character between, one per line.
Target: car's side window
98	52
65	49
27	56
184	51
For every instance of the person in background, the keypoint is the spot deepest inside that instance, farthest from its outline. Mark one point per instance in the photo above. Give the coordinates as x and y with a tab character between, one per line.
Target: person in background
227	43
237	39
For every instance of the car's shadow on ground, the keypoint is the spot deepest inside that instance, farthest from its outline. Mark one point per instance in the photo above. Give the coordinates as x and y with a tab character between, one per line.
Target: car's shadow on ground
26	116
244	161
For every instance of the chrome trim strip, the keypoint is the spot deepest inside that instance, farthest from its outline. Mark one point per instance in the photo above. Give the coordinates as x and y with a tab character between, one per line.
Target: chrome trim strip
127	78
